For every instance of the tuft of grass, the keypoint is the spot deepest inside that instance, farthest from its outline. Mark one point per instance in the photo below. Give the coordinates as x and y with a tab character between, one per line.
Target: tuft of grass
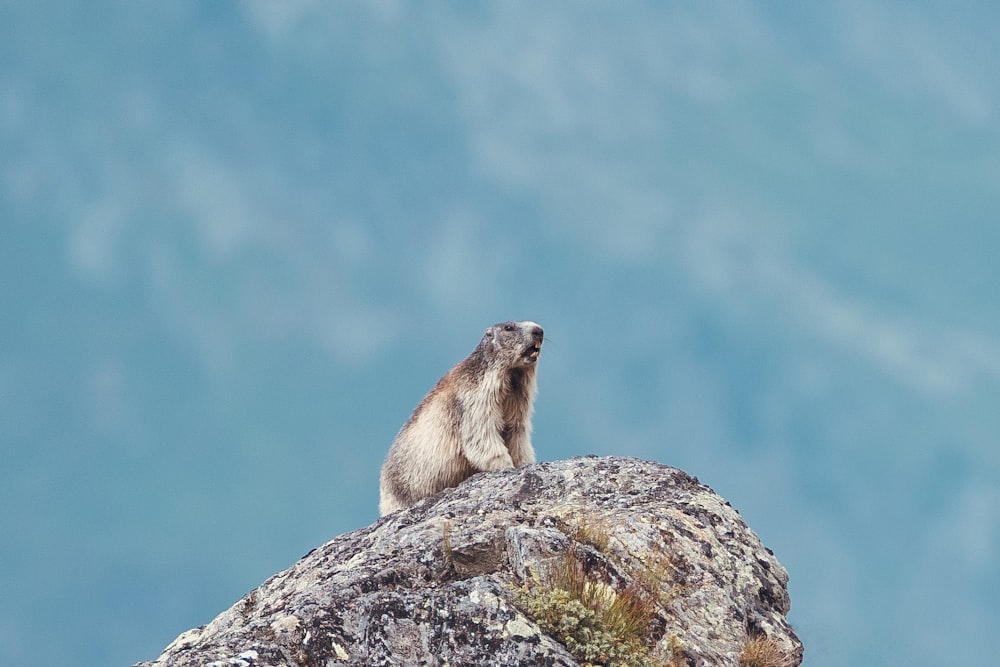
626	614
762	651
593	530
658	569
659	572
597	624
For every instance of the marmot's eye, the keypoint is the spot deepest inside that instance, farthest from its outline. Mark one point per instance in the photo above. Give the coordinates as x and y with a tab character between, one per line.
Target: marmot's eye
508	327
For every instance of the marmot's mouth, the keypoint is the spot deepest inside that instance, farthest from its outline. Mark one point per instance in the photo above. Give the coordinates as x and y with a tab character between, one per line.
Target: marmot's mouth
532	352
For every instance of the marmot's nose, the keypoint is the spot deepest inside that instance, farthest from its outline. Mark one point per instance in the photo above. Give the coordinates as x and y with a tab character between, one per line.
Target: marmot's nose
537	333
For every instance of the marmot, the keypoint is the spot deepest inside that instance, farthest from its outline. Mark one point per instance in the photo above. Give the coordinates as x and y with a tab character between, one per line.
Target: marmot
477	418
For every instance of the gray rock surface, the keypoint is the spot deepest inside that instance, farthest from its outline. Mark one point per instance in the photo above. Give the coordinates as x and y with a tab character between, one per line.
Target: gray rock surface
452	580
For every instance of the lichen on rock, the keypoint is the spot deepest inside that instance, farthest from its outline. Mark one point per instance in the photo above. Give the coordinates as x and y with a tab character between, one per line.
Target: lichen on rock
584	561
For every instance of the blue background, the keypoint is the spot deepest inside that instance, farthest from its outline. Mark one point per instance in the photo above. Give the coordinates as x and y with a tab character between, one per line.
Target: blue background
240	241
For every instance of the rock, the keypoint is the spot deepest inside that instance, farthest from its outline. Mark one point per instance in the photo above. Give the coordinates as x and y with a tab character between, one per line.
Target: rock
577	562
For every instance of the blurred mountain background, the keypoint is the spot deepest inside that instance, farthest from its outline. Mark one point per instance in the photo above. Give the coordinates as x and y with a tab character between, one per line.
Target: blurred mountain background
240	241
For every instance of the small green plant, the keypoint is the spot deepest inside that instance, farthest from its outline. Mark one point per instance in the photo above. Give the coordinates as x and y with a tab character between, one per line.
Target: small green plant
597	624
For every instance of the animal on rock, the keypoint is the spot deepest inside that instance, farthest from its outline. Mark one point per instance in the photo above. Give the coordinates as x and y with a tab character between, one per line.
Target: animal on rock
476	419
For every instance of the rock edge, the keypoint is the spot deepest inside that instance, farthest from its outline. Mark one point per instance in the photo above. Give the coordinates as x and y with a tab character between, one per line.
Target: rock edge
442	583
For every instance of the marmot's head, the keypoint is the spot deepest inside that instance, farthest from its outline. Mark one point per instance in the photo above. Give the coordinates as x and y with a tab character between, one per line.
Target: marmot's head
513	344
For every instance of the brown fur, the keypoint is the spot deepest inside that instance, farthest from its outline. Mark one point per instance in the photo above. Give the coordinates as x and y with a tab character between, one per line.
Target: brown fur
477	418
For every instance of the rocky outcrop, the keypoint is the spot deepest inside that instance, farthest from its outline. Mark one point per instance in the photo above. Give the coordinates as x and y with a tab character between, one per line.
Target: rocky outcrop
577	562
